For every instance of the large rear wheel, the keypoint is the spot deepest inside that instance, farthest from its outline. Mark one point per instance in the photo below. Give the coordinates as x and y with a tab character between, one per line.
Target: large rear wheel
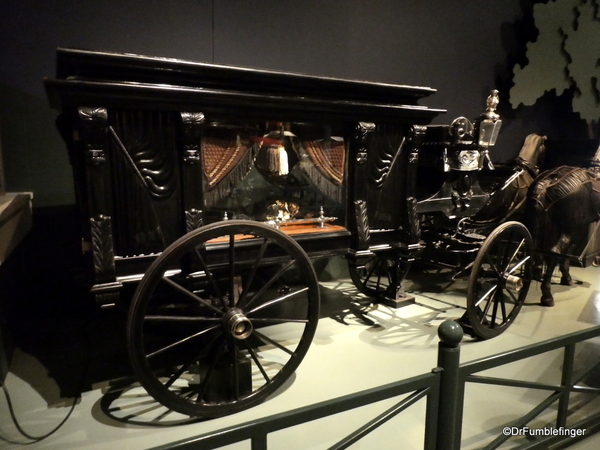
222	318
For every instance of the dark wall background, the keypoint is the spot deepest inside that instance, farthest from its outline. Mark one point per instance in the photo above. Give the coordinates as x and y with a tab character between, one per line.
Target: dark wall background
463	50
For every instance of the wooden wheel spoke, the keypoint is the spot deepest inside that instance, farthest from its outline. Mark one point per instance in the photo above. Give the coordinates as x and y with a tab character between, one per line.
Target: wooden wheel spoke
374	276
277	300
268	284
159	318
210	278
181	341
495	309
371	271
190	295
519	264
189	393
492	264
486	309
253	271
231	269
209	372
487	294
379	267
515	299
186	366
515	253
503	309
507	246
268	340
162	416
179	372
236	370
278	320
256	361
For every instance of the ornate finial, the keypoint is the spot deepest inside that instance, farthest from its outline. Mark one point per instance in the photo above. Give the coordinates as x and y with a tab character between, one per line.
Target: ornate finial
492	103
450	333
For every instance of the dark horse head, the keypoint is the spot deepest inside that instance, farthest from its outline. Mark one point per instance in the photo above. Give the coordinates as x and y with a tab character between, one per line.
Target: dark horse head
510	182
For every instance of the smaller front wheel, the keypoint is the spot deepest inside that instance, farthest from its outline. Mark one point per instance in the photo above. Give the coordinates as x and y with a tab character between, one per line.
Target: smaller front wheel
499	281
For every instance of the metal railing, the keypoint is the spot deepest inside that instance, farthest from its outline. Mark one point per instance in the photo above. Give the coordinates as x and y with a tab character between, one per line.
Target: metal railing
419	387
560	392
443	419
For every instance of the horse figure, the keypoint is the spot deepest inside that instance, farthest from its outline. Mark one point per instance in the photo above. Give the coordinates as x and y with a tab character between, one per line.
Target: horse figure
561	204
508	196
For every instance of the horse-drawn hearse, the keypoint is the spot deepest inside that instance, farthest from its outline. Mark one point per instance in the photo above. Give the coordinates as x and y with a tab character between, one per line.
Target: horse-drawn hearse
212	188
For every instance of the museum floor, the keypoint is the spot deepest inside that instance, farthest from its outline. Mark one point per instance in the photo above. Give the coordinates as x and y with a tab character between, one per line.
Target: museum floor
357	346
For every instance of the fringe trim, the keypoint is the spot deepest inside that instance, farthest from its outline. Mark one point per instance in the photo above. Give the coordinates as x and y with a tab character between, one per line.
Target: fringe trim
223	187
326	187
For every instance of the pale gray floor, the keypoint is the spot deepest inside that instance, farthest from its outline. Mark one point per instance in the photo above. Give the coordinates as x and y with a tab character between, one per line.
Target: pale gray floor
356	348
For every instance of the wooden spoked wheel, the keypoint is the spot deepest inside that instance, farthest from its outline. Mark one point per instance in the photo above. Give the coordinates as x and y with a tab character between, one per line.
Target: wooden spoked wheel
373	275
222	318
499	280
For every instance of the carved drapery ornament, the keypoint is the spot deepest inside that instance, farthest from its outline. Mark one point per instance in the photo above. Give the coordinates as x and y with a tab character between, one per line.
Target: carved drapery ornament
386	147
146	151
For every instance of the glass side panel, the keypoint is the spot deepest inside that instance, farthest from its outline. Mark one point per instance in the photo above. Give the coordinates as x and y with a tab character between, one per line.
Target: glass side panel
282	173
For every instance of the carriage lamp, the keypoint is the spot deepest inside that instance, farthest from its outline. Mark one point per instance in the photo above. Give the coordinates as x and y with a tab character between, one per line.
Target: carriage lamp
489	127
488	132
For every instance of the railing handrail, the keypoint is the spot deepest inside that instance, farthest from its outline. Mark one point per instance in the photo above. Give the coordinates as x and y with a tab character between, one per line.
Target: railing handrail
448	379
255	428
450	425
527	351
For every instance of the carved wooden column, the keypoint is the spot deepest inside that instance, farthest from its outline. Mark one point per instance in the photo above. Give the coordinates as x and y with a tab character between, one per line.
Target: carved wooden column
357	208
417	134
192	169
92	138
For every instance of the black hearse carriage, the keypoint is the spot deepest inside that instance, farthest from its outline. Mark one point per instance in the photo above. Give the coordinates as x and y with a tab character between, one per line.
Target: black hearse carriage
213	187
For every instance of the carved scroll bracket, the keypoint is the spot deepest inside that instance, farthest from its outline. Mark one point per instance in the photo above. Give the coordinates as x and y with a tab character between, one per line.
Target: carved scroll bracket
417	135
192	132
92	131
362	136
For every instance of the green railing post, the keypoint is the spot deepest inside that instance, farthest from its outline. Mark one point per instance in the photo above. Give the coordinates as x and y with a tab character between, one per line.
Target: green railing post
451	390
567	383
259	442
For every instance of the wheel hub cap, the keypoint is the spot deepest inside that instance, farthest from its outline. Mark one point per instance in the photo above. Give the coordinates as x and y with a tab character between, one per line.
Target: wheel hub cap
514	282
237	324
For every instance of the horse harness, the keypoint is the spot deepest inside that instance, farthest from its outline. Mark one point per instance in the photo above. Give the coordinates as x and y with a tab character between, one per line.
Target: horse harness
558	183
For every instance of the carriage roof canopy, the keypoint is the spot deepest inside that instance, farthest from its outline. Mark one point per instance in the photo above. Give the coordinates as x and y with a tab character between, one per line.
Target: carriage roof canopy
117	79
